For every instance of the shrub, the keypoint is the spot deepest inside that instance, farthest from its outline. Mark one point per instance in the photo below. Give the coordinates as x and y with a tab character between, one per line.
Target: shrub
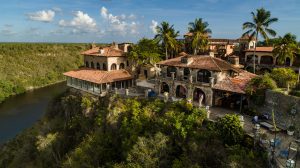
257	87
284	76
230	129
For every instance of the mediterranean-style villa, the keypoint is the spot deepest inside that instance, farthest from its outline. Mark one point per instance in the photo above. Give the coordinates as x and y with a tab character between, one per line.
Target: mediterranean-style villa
266	61
105	68
222	47
204	79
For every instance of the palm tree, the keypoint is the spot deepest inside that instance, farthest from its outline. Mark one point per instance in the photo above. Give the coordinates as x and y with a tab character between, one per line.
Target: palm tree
287	47
261	21
200	34
166	34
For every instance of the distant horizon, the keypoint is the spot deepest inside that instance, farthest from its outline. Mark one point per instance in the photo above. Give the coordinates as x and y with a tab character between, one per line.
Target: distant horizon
105	21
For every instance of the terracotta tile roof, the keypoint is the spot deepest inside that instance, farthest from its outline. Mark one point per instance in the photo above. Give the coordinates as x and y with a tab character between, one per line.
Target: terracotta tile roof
235	84
111	51
99	76
262	49
201	62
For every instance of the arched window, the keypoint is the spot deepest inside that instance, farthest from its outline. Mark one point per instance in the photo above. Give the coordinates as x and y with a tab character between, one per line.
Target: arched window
87	64
203	76
98	65
266	60
122	66
104	67
171	69
186	73
92	65
113	67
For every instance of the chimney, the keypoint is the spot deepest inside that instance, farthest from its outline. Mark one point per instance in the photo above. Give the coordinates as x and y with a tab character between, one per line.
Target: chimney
212	54
101	51
234	60
115	45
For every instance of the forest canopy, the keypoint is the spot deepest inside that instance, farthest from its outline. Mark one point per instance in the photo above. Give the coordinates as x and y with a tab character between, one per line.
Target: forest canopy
25	66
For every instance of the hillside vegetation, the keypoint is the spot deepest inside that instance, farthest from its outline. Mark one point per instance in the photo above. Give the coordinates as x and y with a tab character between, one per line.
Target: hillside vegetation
29	65
119	132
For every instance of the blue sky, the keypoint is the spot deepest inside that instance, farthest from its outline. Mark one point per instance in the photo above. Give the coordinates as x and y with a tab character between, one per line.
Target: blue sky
130	20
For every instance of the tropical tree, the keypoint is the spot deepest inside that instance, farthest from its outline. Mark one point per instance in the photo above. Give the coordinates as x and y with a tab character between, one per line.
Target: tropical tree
166	34
200	33
286	47
261	20
146	51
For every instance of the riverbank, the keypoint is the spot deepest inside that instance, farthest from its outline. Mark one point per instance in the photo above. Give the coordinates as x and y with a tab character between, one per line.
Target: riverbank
31	89
22	111
27	66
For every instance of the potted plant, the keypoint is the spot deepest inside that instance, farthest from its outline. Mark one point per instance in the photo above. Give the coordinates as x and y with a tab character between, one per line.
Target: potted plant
291	130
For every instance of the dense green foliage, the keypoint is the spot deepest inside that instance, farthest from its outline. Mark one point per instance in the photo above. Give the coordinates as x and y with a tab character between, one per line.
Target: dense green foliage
27	65
166	34
284	77
146	51
132	132
257	86
286	47
200	33
259	25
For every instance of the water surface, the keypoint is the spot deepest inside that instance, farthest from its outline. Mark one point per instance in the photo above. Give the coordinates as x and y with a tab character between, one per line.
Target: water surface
22	111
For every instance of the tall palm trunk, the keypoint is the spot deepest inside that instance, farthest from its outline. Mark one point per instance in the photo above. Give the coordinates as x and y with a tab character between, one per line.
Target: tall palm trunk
254	52
166	52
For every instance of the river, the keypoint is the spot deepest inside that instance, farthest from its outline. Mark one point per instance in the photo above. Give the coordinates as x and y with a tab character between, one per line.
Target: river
22	111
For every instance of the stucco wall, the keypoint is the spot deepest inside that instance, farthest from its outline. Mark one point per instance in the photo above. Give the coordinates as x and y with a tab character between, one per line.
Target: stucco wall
95	60
116	60
282	108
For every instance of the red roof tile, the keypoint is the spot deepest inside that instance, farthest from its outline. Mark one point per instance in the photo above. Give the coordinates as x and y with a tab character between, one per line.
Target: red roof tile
111	51
262	49
201	62
235	84
99	76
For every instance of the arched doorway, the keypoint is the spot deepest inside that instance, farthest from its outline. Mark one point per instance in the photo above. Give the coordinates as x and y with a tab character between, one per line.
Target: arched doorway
92	65
98	65
87	64
122	66
186	73
104	67
113	67
181	91
164	87
198	93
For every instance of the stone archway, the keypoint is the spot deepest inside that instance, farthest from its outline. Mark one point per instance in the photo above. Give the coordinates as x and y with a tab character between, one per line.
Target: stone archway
267	59
181	92
164	87
197	94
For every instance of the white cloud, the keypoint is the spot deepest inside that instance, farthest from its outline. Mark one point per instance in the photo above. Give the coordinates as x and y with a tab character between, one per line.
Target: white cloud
132	16
153	26
81	23
43	16
119	24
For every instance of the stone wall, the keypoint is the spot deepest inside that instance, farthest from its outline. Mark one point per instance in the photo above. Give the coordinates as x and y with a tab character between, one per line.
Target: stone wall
282	104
